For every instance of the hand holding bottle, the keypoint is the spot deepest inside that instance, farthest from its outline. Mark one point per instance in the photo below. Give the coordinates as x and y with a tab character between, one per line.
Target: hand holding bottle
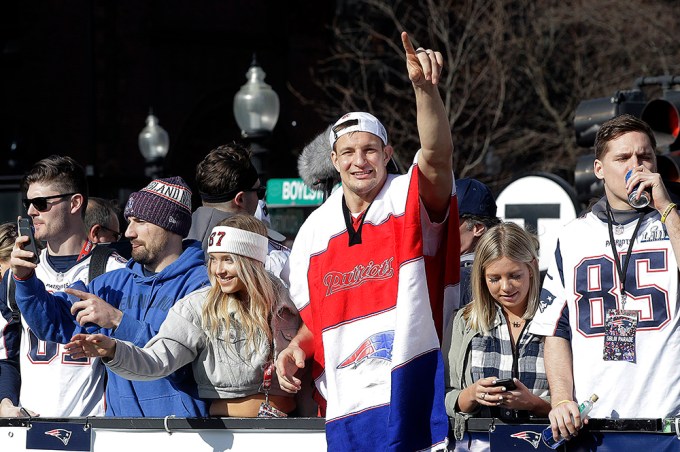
637	198
566	418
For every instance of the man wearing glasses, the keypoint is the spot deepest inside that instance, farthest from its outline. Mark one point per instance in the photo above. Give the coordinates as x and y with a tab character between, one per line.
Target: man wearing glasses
51	382
228	184
101	220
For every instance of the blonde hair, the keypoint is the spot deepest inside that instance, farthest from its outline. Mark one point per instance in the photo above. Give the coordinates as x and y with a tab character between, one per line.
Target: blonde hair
253	307
8	235
504	240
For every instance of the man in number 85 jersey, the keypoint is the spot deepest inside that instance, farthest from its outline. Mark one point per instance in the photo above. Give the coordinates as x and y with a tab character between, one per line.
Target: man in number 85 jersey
609	304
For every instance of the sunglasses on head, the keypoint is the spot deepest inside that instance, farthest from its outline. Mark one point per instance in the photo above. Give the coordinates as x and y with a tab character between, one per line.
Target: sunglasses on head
40	203
261	191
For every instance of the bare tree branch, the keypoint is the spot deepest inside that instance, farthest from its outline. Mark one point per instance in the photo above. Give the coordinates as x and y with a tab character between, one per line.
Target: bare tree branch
515	71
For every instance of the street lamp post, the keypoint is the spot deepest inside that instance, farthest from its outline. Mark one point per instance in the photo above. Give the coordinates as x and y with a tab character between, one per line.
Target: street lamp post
154	145
256	109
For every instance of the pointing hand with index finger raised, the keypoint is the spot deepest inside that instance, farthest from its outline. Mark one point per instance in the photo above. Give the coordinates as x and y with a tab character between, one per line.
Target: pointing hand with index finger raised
92	309
423	65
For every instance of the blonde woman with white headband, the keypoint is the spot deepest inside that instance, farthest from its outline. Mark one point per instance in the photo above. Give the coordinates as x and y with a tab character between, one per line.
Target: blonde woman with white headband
231	332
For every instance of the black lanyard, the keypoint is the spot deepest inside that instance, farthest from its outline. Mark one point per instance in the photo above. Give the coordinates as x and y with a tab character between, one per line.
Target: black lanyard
621	270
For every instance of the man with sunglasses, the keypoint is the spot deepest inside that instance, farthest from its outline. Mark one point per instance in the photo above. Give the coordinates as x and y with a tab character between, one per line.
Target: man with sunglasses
228	184
51	383
130	304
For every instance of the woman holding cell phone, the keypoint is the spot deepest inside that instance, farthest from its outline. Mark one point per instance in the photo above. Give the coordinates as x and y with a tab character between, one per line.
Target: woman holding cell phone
231	332
494	366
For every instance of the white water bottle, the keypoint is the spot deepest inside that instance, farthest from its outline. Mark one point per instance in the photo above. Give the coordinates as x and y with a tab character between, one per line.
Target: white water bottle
583	408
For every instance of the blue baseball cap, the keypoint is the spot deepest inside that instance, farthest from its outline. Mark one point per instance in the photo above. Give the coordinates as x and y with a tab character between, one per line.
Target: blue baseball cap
475	198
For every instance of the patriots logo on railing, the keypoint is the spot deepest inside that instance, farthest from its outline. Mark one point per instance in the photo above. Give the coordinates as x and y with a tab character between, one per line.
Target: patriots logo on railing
377	346
63	435
530	437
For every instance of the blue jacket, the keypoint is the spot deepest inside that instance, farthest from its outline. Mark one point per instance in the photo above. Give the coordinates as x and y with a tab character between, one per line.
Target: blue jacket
144	301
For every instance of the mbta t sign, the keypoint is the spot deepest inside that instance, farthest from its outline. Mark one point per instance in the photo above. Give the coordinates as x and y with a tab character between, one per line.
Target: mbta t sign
542	203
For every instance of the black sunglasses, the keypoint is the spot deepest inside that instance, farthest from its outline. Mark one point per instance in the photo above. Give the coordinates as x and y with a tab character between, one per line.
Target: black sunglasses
40	203
261	191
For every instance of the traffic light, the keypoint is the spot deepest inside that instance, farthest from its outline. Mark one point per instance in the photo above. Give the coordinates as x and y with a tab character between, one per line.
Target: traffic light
586	184
591	113
662	113
662	116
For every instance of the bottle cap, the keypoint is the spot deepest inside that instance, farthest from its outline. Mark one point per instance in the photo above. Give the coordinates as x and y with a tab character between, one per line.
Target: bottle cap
594	398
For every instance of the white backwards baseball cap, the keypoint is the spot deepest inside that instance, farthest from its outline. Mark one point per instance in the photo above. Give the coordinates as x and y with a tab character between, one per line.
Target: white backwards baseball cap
357	121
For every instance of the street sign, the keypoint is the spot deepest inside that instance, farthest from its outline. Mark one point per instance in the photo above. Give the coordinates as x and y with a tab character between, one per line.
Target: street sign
291	192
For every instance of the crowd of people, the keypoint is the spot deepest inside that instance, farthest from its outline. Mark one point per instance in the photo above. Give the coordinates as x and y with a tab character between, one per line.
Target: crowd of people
404	307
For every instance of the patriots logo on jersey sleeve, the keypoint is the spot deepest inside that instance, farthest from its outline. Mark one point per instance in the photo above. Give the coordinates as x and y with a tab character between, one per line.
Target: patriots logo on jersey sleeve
377	346
532	438
546	299
63	435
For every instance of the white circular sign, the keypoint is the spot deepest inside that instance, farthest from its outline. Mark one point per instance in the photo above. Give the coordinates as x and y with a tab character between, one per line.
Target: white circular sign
542	203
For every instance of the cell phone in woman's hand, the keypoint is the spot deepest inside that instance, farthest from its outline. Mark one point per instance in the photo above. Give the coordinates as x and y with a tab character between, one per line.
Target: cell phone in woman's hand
509	383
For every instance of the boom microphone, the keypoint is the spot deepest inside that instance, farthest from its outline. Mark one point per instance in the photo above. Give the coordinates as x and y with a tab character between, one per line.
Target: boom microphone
315	166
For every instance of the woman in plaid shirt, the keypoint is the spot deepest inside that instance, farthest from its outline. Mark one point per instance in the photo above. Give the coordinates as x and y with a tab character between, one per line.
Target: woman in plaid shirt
489	339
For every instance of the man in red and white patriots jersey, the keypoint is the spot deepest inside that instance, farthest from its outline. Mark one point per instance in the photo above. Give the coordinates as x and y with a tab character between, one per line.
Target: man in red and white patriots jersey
371	271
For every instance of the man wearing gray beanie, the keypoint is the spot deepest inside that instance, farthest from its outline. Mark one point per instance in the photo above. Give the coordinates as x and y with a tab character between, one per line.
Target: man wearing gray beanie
131	303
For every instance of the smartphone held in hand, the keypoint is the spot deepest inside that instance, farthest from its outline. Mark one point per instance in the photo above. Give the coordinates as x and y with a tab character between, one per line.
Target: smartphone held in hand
508	383
25	227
